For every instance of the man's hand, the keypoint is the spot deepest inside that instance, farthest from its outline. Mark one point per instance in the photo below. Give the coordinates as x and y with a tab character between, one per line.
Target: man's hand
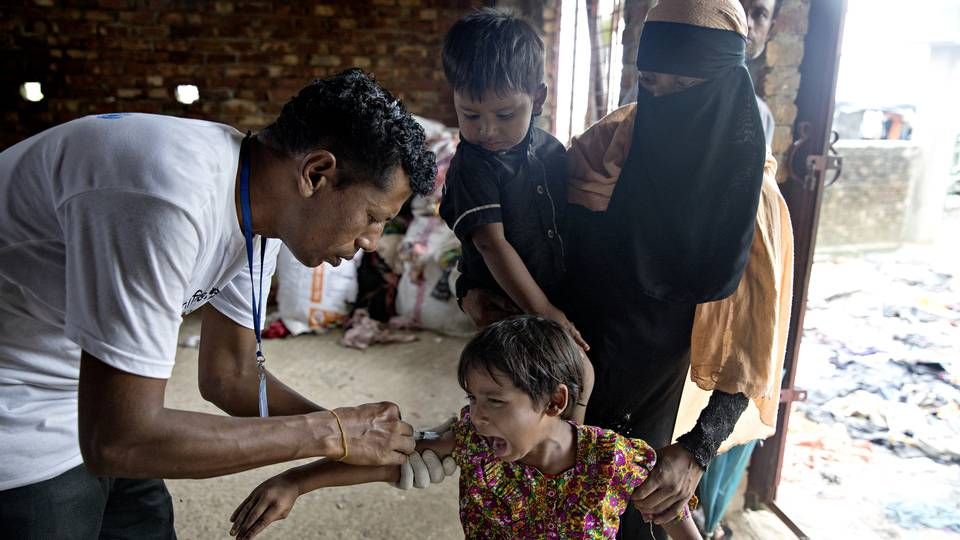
426	466
374	434
670	486
270	501
487	307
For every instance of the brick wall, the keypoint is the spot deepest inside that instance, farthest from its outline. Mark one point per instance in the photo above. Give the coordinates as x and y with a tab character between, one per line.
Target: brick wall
551	44
246	56
544	15
868	206
777	72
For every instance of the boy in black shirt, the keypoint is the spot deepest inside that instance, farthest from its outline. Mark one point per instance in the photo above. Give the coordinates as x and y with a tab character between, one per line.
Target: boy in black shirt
505	190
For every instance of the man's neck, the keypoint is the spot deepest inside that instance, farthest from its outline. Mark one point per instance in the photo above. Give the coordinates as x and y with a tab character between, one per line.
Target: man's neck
258	158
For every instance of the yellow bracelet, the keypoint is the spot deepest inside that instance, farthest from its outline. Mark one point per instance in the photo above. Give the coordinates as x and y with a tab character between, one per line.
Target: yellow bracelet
343	436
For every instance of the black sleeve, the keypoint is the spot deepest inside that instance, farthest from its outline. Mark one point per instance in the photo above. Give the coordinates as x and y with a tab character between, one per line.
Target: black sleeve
463	286
715	424
471	196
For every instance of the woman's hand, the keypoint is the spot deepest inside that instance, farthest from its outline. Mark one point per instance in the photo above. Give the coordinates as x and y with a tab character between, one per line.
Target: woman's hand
270	501
669	487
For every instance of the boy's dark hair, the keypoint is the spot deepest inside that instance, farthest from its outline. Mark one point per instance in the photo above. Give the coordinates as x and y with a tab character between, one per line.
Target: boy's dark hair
493	50
361	123
537	354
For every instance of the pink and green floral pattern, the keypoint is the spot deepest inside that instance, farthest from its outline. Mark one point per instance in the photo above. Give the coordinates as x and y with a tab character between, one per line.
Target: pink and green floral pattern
500	500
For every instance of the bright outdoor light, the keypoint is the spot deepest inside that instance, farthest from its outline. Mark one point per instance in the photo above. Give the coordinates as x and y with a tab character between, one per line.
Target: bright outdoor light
187	93
31	91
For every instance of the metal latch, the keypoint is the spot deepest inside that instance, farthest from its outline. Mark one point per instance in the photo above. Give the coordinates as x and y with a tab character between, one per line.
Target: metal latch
820	164
789	395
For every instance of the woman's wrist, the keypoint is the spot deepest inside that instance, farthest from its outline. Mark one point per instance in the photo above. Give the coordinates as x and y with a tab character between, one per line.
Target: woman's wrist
715	424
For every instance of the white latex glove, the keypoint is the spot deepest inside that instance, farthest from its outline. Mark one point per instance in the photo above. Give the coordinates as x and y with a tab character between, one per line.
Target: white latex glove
421	469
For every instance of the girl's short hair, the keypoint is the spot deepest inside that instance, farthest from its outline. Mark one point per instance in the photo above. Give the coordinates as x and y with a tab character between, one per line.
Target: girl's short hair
537	354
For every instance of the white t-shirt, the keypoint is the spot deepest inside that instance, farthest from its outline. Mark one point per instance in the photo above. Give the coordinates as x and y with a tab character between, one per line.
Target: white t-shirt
112	228
768	121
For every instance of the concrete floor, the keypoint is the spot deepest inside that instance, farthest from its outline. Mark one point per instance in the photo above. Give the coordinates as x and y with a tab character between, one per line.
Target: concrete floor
420	377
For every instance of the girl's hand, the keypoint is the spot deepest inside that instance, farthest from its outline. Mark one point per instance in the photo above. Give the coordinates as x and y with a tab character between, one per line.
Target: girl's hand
269	502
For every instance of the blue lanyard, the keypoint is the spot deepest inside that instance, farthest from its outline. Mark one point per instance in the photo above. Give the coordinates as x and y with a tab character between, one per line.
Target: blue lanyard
256	303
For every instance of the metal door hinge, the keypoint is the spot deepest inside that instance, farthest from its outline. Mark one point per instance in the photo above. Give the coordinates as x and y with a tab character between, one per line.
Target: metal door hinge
789	395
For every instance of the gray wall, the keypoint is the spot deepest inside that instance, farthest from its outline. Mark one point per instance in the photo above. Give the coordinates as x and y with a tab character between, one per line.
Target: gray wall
868	207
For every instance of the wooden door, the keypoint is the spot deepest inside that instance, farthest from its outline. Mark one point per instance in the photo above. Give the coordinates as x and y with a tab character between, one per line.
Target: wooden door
811	164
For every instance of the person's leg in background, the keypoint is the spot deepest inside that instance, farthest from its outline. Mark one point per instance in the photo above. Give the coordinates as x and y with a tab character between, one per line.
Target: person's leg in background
66	507
720	482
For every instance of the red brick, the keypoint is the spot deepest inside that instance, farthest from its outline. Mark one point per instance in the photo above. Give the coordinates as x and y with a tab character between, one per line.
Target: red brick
99	16
114	4
127	93
324	60
238	106
242	71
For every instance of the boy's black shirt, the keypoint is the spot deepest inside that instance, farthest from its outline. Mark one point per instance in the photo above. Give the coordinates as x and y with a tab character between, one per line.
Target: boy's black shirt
524	188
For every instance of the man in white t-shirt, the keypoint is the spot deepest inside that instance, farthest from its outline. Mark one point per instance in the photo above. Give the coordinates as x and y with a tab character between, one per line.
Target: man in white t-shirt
111	229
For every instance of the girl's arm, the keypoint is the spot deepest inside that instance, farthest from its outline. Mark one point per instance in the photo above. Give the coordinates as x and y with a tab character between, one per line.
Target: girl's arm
274	499
680	526
514	278
682	529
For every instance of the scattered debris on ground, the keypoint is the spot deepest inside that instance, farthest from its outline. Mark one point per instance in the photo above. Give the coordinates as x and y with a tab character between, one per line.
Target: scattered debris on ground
876	445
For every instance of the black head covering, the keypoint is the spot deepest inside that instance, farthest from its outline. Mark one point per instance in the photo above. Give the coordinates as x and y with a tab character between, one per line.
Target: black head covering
686	200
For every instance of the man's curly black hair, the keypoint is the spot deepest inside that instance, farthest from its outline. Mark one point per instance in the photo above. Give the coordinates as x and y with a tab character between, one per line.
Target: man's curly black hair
362	124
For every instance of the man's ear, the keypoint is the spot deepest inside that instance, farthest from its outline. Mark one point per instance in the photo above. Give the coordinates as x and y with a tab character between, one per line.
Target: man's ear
558	401
538	99
317	171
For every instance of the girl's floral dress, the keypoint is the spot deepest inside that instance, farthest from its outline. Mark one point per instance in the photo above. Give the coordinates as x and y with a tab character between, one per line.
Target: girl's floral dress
501	500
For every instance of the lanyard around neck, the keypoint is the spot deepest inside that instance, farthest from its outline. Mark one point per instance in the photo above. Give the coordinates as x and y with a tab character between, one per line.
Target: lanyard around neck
256	304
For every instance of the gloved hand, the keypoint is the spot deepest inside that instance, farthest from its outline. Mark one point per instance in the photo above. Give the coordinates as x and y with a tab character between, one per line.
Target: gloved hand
424	468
